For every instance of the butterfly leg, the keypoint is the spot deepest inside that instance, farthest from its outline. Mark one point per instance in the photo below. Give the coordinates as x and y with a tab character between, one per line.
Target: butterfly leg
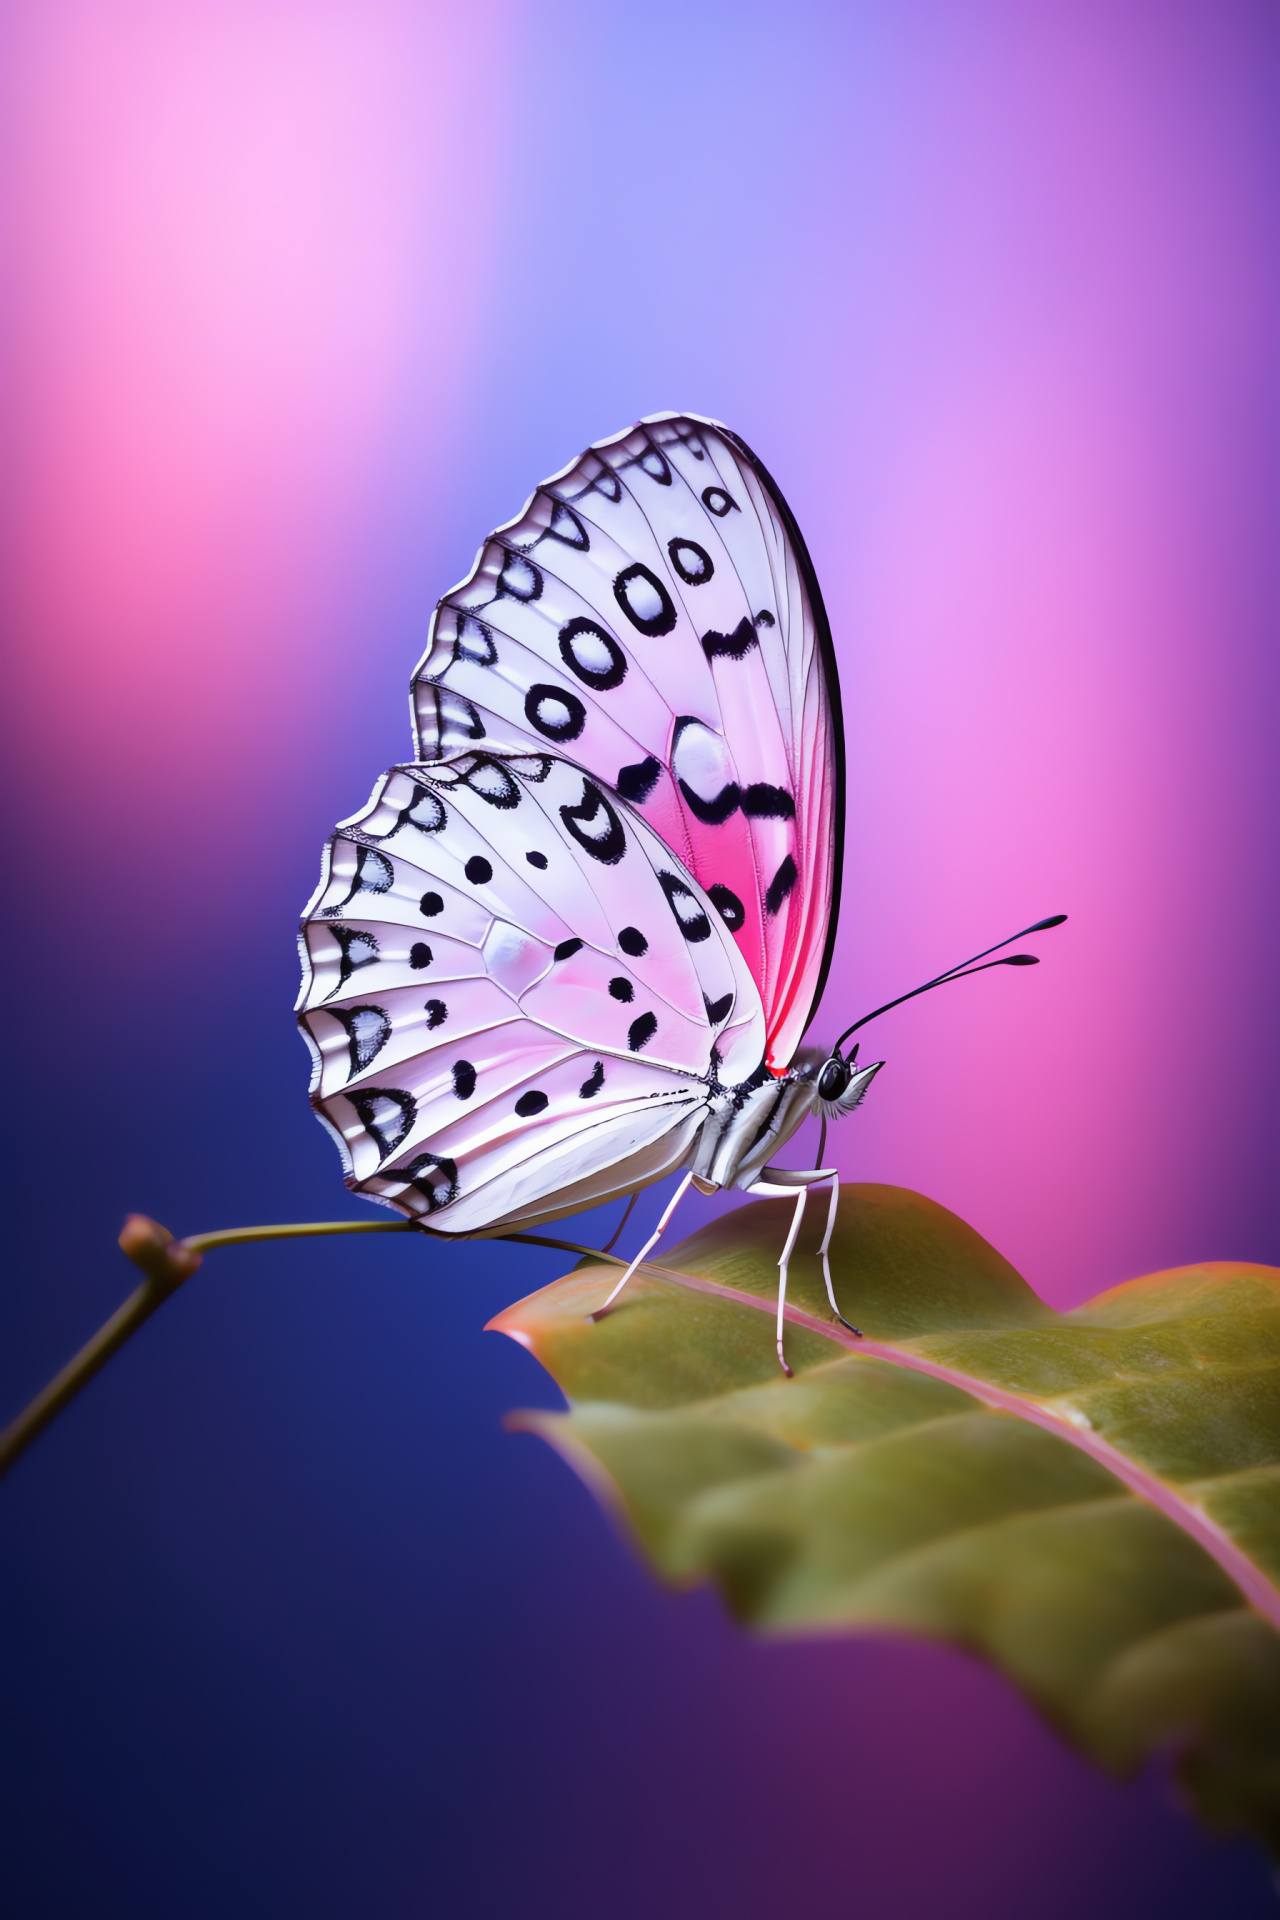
649	1244
783	1264
822	1252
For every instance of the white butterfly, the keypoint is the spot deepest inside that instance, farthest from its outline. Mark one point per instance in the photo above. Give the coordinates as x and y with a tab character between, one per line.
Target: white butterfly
574	946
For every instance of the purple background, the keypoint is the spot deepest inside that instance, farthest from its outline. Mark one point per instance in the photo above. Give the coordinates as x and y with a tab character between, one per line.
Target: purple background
304	295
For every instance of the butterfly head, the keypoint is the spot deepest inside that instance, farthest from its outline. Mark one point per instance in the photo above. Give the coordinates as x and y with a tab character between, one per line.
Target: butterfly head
841	1084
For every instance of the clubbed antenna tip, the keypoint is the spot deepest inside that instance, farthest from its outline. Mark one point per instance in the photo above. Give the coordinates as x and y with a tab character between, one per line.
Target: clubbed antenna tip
964	971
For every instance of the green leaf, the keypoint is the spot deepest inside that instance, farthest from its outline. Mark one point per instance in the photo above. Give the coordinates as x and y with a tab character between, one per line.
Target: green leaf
1088	1500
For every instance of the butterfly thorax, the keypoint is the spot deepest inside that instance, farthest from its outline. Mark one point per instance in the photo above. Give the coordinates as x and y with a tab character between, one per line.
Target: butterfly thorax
747	1124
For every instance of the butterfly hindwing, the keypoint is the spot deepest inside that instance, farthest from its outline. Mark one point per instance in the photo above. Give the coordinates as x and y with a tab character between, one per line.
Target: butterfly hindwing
653	616
515	996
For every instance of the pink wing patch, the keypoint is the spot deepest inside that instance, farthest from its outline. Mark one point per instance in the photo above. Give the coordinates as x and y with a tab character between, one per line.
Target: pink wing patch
653	616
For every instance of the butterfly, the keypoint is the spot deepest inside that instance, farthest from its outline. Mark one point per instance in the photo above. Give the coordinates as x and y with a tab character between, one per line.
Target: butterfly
573	946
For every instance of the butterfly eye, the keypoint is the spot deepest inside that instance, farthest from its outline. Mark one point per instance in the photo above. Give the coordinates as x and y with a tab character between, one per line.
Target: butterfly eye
833	1080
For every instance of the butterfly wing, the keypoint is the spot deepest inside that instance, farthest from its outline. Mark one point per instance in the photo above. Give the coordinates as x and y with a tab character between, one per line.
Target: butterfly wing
653	614
514	995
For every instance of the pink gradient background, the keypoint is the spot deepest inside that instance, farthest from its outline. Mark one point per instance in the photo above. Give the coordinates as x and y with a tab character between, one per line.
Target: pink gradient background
302	299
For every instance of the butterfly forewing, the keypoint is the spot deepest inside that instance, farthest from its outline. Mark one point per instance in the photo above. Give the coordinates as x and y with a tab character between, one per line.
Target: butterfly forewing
517	998
653	617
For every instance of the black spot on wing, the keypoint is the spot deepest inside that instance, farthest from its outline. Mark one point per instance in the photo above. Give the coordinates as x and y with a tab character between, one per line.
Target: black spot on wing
728	905
731	646
632	941
533	768
538	860
566	527
434	1177
368	1030
491	782
455	719
420	955
653	462
478	870
641	1031
436	1011
780	885
590	1088
554	712
359	949
530	1103
464	1079
692	562
373	873
763	802
620	988
519	578
637	782
430	905
691	920
426	810
607	483
717	1010
644	599
386	1114
472	639
712	813
567	949
687	436
595	826
592	654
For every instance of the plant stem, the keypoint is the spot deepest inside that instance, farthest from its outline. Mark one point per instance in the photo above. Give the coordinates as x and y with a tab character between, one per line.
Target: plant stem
167	1262
299	1230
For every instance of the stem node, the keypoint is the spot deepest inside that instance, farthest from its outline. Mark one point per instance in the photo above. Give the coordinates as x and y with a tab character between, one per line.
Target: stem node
153	1248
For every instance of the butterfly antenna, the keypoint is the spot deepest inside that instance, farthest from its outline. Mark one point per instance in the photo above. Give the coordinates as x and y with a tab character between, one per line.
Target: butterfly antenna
962	972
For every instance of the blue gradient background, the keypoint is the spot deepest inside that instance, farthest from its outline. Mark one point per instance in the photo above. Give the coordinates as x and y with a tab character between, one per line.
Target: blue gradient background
303	296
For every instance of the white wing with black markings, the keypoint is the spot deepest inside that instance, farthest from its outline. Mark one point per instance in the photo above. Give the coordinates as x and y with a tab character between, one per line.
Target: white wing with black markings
517	999
653	615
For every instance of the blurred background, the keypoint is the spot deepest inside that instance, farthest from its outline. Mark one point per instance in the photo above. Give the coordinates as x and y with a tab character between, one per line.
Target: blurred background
303	296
